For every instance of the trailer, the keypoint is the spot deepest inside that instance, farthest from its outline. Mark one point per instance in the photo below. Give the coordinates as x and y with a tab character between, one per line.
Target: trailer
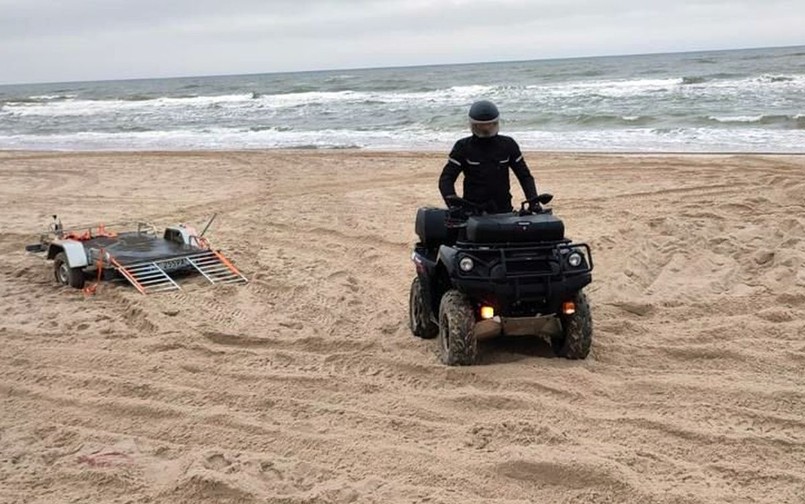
150	261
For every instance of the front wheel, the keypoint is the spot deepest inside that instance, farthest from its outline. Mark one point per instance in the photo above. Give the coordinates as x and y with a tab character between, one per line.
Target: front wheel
577	331
419	313
457	343
65	275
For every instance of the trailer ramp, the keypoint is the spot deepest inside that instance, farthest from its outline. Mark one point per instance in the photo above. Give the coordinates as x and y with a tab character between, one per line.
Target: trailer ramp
151	277
216	268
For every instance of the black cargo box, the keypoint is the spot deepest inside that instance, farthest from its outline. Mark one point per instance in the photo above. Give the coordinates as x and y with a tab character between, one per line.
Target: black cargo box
502	228
431	228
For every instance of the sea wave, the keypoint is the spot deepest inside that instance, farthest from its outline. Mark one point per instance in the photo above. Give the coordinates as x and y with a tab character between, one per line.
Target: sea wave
543	96
768	81
775	120
738	119
631	139
694	80
604	88
134	103
656	102
138	98
73	107
778	78
46	98
733	78
51	97
610	120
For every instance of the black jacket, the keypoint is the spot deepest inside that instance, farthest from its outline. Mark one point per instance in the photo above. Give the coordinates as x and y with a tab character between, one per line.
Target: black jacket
485	163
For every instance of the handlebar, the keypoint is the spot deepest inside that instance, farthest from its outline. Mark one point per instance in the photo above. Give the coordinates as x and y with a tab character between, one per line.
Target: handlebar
460	209
535	204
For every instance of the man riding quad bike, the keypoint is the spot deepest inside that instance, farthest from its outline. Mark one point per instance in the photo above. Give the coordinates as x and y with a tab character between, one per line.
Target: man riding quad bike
481	275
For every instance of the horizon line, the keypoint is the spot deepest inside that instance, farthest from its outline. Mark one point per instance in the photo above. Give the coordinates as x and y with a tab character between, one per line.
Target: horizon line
393	67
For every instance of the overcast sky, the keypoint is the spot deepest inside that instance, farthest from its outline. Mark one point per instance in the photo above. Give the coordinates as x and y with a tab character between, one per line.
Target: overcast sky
64	40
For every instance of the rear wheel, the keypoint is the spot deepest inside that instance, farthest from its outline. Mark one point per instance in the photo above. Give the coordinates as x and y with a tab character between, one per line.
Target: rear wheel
419	313
65	275
577	331
457	343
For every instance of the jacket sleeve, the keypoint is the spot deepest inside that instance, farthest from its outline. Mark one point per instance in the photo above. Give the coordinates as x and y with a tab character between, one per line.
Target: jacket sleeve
522	172
447	180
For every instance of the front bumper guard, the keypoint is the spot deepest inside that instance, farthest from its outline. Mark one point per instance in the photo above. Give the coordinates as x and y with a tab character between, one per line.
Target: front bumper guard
517	326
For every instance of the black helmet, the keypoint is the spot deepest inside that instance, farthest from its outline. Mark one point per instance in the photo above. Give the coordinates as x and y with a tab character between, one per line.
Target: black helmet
484	117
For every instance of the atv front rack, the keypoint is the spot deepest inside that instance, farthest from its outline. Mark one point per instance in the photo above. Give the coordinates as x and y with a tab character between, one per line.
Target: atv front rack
526	272
528	261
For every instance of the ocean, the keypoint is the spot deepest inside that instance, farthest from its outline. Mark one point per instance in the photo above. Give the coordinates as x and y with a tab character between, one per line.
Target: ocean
719	101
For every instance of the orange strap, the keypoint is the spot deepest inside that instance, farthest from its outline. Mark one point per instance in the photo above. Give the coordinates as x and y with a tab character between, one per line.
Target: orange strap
103	232
226	261
203	242
91	289
88	235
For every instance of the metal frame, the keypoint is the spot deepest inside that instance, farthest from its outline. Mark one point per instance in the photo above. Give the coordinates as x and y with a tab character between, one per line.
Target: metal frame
148	277
544	252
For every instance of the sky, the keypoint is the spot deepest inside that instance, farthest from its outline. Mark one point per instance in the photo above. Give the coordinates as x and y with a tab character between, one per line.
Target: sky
74	40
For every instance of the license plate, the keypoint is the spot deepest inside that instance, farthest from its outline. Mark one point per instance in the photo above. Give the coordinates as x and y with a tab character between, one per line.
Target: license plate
173	264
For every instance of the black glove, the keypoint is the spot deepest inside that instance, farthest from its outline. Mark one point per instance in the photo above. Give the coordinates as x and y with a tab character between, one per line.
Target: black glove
452	200
530	206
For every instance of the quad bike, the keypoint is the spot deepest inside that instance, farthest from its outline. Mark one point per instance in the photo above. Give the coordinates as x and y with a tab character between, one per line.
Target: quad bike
481	275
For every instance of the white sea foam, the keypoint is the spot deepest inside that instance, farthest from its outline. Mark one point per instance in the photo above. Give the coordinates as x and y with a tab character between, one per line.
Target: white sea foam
634	139
243	101
738	119
74	107
51	97
538	95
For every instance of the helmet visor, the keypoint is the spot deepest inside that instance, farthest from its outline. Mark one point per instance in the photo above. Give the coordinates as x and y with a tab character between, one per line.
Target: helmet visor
484	129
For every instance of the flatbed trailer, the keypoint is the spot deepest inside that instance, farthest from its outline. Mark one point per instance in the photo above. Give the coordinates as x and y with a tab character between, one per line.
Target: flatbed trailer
149	261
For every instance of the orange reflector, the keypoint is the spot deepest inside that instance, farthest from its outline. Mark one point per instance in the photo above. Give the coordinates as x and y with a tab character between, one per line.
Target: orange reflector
487	312
568	307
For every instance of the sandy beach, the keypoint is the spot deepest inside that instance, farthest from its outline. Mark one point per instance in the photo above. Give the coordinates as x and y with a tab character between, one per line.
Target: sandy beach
306	386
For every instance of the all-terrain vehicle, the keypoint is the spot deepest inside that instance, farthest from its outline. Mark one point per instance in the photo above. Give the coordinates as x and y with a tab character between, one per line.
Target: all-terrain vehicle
136	253
480	275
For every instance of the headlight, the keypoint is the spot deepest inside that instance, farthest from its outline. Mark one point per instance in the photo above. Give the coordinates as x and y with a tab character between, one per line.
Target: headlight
466	264
574	259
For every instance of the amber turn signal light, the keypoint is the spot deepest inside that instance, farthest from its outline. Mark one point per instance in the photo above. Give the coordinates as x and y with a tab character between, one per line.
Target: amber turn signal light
568	307
487	312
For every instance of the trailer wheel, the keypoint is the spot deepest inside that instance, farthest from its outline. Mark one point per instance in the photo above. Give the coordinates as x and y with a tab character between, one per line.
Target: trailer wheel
65	275
577	331
457	343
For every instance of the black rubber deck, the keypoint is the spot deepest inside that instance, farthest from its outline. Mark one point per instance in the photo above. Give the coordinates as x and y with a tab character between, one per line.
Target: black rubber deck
132	248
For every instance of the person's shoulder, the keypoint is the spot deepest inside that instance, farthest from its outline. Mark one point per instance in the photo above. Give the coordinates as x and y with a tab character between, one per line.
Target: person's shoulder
461	142
508	143
506	140
461	146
